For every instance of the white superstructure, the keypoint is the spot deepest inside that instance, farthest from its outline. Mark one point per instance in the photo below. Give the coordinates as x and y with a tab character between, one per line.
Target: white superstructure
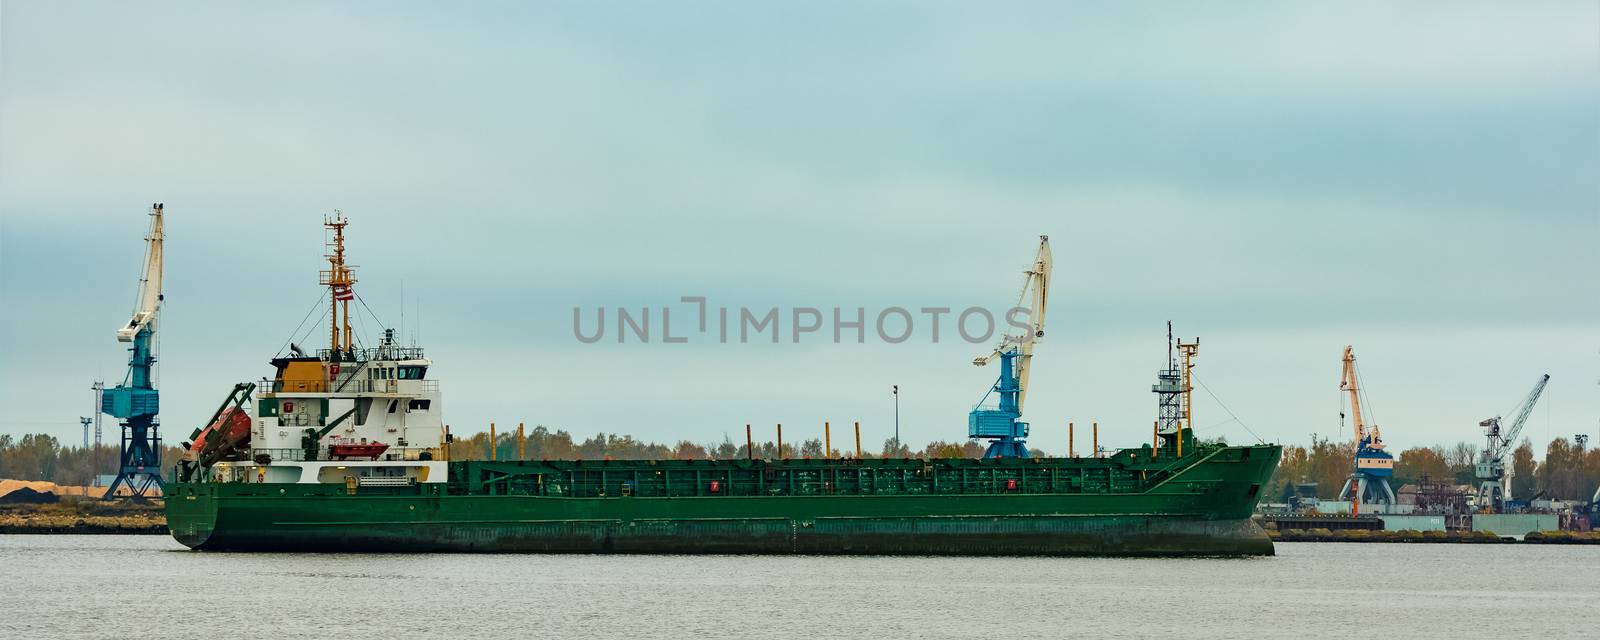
350	415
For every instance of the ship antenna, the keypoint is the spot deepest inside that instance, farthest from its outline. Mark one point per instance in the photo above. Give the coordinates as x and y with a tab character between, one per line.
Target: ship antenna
338	278
1171	364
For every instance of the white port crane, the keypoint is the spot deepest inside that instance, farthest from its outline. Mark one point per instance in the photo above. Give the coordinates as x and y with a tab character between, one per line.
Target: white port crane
1003	425
1494	482
137	402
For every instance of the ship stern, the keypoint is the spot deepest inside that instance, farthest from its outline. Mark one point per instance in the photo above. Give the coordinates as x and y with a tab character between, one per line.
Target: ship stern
191	513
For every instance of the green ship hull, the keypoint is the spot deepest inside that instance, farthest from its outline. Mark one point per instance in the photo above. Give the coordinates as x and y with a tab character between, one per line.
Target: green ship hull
1131	503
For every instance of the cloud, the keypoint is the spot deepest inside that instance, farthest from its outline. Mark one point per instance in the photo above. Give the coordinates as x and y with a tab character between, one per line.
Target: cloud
1281	180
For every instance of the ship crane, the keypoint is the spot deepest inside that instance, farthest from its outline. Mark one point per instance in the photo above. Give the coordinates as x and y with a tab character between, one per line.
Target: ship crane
1369	482
1002	425
136	401
1494	484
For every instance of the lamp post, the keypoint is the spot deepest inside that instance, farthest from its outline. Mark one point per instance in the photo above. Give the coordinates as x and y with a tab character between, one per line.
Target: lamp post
897	418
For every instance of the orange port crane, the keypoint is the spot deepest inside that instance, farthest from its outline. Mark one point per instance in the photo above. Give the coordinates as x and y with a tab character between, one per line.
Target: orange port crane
1369	481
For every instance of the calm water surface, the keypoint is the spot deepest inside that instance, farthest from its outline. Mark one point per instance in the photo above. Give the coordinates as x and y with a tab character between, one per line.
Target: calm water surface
89	587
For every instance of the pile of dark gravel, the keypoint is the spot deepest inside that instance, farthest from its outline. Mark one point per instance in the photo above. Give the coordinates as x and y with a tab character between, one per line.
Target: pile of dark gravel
29	496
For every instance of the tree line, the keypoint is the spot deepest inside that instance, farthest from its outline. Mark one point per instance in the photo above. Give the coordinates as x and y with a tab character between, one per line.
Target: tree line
1567	472
543	443
38	456
41	456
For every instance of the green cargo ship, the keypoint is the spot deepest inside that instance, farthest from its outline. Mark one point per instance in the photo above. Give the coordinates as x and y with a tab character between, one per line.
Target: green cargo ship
1123	504
346	450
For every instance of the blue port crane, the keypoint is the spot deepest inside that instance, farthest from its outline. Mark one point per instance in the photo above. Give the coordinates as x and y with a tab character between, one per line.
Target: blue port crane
1002	424
136	402
1494	484
1369	482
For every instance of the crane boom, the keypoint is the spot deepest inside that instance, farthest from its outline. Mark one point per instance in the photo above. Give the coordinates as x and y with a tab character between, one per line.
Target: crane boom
1347	383
1038	281
1366	434
1511	434
148	302
1369	480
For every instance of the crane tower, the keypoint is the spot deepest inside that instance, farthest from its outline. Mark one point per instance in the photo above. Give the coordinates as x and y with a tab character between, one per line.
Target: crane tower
136	402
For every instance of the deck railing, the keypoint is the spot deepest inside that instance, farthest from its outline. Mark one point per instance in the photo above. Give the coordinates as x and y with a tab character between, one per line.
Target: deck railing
373	353
392	454
348	384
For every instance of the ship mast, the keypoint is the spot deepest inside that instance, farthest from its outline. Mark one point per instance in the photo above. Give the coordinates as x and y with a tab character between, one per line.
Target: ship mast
1189	350
338	278
1174	390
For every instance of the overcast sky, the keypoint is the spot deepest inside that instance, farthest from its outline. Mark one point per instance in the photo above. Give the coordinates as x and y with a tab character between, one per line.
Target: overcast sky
1421	181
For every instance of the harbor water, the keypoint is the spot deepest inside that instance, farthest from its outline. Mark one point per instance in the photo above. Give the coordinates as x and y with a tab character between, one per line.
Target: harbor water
84	587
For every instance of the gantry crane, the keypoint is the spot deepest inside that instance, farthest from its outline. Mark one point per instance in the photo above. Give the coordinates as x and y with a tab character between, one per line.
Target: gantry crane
1494	484
1003	424
136	402
1369	482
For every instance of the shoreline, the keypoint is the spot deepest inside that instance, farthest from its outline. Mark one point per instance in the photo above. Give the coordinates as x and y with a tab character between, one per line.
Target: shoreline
81	528
80	516
113	525
83	516
1433	537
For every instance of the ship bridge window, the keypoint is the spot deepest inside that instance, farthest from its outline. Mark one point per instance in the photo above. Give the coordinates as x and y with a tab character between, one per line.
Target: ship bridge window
412	372
420	405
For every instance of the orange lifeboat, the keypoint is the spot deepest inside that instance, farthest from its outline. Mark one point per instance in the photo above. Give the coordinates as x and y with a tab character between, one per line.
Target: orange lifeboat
369	451
229	432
